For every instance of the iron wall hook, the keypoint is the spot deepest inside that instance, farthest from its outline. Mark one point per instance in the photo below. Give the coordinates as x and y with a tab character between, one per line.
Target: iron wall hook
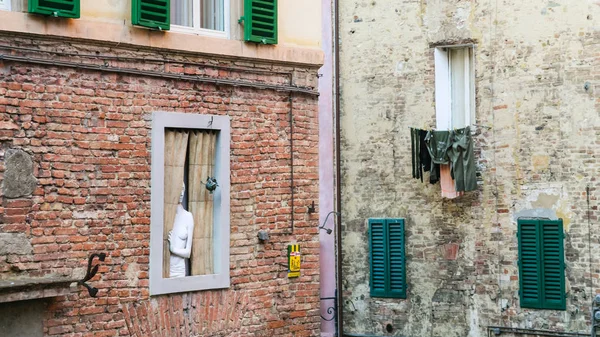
92	270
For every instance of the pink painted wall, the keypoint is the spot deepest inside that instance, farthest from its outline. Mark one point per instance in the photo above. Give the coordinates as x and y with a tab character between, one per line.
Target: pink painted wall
326	170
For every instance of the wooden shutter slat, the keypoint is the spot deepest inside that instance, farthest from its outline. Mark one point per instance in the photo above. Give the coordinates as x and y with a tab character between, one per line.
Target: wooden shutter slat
151	13
260	21
60	8
396	251
378	258
529	264
553	265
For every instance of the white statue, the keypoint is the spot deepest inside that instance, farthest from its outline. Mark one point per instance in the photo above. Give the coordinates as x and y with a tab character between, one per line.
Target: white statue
180	239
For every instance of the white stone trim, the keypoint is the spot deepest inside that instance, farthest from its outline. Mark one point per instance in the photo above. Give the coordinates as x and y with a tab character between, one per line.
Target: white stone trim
220	279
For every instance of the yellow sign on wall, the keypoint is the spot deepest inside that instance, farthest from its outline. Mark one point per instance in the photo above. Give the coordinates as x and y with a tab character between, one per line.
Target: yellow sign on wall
293	261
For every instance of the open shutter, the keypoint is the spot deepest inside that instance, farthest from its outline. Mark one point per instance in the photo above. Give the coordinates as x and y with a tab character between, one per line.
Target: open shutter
553	265
59	8
260	21
529	264
397	286
151	13
379	259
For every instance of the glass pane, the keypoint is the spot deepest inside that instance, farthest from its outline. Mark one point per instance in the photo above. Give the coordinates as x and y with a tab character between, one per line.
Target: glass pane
212	14
458	84
181	12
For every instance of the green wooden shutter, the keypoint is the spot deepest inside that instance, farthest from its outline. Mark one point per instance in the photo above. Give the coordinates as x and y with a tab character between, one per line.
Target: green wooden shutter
388	265
379	260
260	21
151	13
397	279
541	264
529	264
553	265
59	8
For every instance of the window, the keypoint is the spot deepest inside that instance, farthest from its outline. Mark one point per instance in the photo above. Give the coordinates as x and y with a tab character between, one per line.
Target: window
5	5
541	264
454	87
200	16
189	235
386	243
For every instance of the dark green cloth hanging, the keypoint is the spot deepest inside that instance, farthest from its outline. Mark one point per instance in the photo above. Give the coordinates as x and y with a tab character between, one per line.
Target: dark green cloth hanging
463	161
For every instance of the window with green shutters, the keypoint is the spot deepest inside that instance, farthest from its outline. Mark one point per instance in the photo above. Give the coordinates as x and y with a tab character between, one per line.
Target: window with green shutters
260	21
59	8
151	13
388	262
541	264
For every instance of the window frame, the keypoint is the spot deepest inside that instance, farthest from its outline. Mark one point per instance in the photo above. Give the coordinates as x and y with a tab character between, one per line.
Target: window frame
542	302
387	292
225	34
221	278
443	90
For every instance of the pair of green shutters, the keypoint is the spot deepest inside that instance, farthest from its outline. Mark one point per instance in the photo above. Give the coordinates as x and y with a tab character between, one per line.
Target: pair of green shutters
541	264
388	261
541	261
260	17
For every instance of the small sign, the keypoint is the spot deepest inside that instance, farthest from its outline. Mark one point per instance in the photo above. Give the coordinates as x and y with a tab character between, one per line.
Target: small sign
293	261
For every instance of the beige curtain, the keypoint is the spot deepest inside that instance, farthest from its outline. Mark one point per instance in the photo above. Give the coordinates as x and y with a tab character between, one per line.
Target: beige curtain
201	166
175	150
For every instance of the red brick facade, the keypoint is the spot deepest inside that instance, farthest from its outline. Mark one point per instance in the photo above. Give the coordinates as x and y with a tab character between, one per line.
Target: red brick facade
88	133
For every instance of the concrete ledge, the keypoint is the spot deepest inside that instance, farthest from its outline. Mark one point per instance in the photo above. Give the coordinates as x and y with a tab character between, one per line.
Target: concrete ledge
34	288
125	33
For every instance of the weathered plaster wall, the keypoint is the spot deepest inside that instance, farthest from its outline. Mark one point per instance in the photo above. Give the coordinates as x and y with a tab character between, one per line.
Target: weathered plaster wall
536	151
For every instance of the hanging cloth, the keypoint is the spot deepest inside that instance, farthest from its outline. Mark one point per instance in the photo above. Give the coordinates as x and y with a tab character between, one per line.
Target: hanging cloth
447	183
463	161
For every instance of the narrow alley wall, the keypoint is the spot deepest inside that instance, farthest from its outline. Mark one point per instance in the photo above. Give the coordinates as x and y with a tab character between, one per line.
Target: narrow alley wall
536	146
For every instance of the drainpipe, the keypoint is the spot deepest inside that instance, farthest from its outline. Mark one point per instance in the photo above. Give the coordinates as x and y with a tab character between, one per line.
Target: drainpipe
338	184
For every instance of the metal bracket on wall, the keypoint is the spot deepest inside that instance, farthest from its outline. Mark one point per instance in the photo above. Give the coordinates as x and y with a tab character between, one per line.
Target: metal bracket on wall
332	310
91	272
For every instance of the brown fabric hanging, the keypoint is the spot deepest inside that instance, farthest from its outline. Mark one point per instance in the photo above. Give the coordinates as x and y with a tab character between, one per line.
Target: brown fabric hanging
175	151
201	166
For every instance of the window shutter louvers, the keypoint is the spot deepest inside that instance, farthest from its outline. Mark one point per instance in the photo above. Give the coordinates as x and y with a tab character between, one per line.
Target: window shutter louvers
541	264
151	13
58	8
397	259
553	265
378	256
386	242
529	258
260	21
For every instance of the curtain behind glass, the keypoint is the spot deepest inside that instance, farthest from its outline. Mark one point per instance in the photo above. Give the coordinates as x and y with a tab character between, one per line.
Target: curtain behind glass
181	12
175	153
212	14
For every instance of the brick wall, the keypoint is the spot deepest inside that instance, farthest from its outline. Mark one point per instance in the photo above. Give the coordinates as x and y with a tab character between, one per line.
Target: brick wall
536	150
88	135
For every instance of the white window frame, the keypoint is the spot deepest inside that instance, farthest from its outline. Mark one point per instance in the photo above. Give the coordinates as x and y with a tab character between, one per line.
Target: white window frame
443	90
221	278
5	5
195	29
